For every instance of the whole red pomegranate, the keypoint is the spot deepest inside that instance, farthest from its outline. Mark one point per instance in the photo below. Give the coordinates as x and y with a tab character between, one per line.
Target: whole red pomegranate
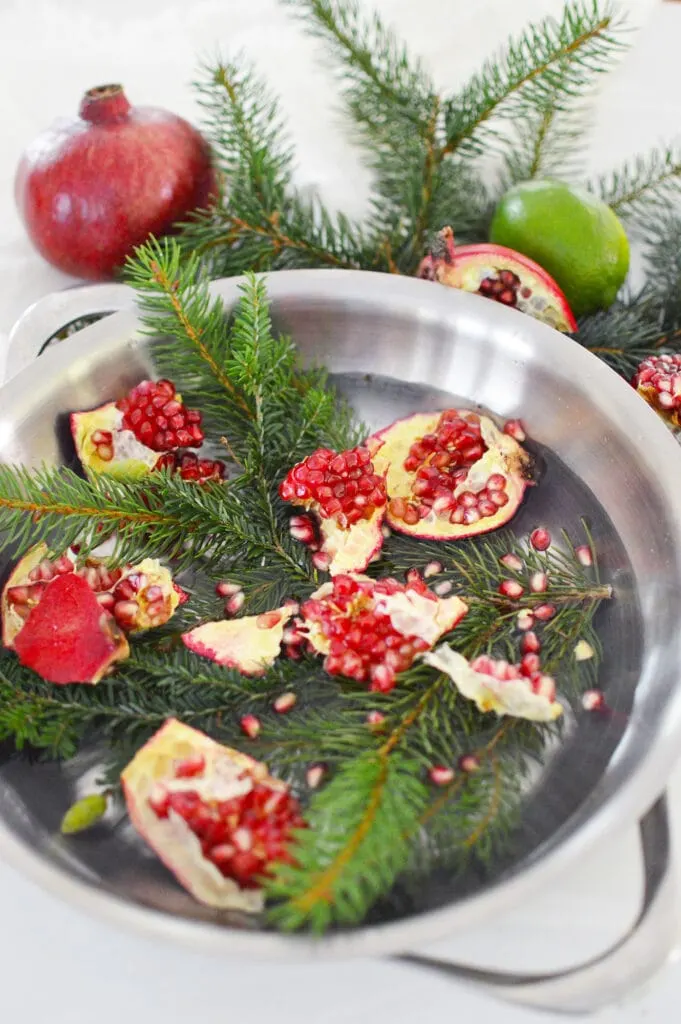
91	188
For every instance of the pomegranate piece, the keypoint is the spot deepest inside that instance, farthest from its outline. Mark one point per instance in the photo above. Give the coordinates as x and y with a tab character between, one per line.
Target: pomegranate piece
138	597
68	637
500	274
658	381
142	432
348	497
450	475
250	644
521	691
370	630
218	827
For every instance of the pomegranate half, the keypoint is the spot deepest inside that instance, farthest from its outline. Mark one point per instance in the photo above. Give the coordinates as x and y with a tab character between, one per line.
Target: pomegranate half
370	630
521	691
450	475
250	644
348	496
213	815
139	597
501	274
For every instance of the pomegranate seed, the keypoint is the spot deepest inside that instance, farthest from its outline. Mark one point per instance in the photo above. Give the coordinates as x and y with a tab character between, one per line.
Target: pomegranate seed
469	763
512	562
190	766
159	800
243	839
584	556
321	561
314	775
529	664
441	776
236	603
539	581
432	569
375	718
514	429
544	612
583	651
525	619
593	700
443	588
268	620
226	589
250	725
125	613
530	644
511	588
540	539
284	703
107	601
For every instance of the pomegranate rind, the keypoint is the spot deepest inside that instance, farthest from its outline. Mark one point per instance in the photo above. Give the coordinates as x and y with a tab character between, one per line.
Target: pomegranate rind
244	644
466	266
131	459
512	697
171	838
12	624
351	550
410	613
504	455
68	638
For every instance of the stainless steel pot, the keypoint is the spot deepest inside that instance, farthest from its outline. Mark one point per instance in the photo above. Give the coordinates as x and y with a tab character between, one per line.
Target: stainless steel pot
395	345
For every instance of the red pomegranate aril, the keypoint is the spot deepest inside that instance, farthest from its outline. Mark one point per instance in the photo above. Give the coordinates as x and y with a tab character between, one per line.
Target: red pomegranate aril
227	589
540	539
515	429
469	763
593	700
584	556
525	619
512	589
530	643
441	776
375	719
190	766
529	664
544	612
512	562
284	703
538	582
250	725
236	603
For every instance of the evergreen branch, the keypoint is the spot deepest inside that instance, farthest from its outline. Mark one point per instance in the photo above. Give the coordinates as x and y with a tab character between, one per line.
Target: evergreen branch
646	182
550	57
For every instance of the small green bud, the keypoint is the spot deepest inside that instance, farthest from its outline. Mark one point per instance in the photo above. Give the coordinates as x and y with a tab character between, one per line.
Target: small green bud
84	813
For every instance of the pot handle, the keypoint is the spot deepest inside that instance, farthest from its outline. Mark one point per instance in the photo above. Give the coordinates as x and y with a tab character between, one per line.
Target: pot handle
607	978
38	325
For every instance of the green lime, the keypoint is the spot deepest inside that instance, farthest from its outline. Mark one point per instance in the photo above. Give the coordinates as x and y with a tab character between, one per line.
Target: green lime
572	234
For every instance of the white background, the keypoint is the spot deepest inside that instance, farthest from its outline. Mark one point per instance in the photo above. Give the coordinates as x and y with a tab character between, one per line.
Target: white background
59	966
